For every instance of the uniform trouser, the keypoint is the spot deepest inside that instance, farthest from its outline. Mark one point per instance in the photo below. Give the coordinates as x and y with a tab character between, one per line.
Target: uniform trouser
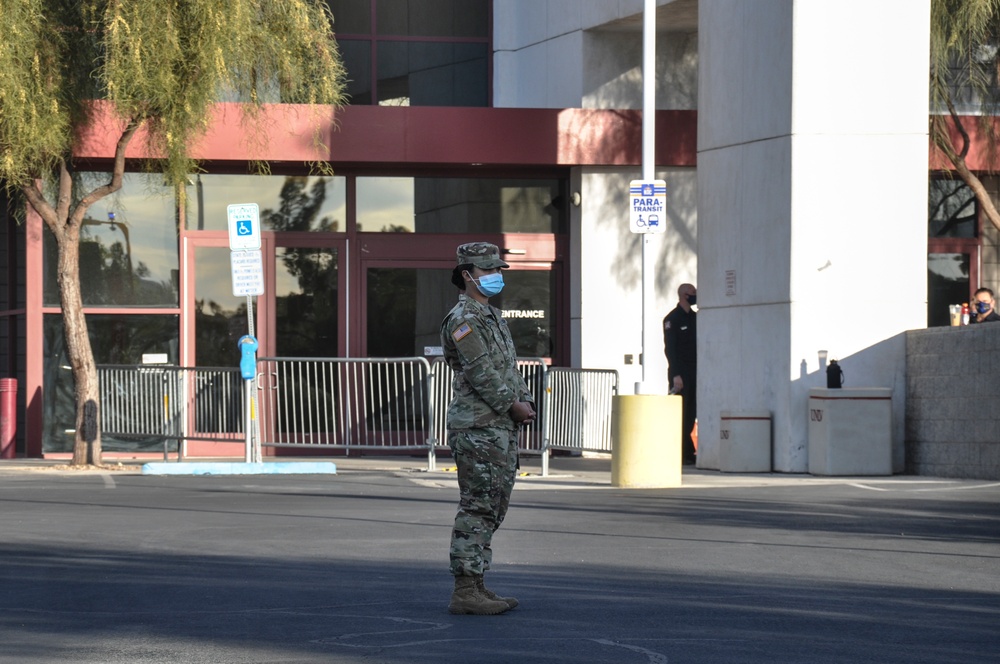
486	461
689	411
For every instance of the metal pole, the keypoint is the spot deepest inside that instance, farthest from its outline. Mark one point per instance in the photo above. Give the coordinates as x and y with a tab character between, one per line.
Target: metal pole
252	453
648	173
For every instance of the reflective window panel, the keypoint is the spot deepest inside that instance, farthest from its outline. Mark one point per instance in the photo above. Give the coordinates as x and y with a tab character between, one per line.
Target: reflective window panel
951	210
947	283
432	74
220	318
287	203
306	292
458	205
433	18
128	245
114	339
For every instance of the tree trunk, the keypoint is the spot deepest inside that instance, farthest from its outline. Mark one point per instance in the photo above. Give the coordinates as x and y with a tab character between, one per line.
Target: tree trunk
87	441
65	224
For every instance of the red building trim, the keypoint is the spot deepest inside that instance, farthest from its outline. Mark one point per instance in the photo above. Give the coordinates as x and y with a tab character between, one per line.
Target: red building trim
979	157
422	135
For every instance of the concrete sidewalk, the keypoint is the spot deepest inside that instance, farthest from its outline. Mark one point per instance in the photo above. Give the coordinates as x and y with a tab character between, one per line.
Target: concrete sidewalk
565	471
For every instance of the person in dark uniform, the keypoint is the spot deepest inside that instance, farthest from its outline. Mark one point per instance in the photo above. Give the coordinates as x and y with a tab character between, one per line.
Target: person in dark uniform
681	348
983	304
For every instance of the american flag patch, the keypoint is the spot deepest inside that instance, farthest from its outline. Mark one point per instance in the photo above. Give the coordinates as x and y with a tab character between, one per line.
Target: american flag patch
461	332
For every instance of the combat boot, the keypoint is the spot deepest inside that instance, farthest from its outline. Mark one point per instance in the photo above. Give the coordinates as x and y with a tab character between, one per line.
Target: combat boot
468	599
511	602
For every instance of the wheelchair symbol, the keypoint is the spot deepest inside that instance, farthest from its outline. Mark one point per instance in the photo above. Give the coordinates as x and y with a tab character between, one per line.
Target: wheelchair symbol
652	222
244	227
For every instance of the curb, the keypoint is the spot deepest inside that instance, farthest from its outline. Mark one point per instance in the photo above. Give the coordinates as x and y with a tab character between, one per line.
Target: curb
269	468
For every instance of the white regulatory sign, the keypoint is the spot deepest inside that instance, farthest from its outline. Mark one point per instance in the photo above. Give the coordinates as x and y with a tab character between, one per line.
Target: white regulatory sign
647	206
248	272
244	226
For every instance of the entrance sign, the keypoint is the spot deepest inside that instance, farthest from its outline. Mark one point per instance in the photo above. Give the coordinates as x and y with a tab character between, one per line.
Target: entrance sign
244	226
248	272
647	206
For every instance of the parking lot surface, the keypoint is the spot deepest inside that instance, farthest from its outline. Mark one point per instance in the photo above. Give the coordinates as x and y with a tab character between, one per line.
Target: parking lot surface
117	566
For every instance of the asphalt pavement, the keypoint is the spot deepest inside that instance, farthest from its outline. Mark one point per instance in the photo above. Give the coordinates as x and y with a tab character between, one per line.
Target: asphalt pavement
120	567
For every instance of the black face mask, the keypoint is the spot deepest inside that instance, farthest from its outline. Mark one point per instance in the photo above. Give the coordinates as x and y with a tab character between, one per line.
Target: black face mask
692	298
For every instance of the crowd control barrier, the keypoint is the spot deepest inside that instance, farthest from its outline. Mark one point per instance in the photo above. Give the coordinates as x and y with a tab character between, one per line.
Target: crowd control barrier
168	404
347	403
359	404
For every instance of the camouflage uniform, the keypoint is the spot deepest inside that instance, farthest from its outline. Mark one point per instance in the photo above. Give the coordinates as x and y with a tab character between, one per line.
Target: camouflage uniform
481	433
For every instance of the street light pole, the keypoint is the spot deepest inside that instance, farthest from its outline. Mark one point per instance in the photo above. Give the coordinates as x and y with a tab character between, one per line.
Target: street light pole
649	335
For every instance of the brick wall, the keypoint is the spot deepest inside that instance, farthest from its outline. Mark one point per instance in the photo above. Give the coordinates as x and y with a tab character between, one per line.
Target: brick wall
953	402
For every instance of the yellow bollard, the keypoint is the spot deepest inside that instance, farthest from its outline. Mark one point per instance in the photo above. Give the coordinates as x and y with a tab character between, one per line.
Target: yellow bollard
646	441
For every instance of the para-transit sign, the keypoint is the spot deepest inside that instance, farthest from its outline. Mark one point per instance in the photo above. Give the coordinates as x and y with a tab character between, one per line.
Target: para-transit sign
647	203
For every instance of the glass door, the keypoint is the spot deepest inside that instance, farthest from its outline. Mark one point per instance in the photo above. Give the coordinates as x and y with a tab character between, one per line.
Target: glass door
307	309
404	304
300	314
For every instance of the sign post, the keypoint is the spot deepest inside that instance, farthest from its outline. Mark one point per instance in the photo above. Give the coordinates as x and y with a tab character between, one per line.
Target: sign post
247	265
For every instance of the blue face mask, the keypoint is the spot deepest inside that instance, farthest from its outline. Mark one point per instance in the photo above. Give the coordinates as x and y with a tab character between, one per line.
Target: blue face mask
982	307
489	284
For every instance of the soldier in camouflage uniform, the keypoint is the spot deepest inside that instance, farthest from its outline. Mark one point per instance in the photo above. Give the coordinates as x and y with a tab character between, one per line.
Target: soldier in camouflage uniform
490	402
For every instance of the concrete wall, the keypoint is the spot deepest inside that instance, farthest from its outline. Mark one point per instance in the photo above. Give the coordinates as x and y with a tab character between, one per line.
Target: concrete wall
796	251
953	402
608	267
588	54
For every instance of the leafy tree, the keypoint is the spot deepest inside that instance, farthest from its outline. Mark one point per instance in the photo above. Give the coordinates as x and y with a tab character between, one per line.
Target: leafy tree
965	61
160	65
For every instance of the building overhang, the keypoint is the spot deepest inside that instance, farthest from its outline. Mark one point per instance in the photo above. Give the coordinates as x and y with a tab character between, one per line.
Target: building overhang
376	136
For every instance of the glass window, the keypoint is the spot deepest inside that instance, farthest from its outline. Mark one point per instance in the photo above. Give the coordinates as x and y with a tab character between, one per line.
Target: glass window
952	210
458	205
948	282
12	236
357	57
432	74
220	317
287	203
385	205
405	308
430	52
433	18
306	302
351	17
114	340
128	245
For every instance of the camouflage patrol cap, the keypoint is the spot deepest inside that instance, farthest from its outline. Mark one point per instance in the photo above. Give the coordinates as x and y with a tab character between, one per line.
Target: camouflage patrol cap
481	254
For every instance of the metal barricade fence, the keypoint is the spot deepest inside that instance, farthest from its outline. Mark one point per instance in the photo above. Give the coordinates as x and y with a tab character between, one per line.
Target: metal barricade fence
577	410
347	403
532	370
170	404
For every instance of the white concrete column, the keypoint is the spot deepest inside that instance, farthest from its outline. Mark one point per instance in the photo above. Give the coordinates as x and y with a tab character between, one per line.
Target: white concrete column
812	205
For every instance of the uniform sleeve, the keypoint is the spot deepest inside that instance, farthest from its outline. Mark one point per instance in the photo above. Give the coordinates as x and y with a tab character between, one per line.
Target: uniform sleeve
477	365
669	341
